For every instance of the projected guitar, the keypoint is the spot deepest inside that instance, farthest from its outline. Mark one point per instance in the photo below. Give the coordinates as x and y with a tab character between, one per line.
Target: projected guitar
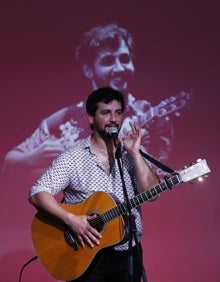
171	105
61	254
165	108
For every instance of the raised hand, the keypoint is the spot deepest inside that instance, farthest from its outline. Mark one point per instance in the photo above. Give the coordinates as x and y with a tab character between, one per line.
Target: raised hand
132	140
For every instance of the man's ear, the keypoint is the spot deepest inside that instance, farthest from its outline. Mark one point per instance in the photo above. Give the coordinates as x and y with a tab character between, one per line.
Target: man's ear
88	72
90	119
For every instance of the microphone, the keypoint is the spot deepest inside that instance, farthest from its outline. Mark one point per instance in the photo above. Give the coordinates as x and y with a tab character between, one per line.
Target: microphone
113	132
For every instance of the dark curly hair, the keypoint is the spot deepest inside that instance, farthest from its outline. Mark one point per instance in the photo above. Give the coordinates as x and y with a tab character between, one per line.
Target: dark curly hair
105	95
106	37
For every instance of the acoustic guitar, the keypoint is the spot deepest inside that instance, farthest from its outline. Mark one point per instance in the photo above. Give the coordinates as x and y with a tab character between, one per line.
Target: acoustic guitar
58	250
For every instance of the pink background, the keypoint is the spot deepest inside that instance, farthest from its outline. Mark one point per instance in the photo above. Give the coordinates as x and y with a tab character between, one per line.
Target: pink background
177	48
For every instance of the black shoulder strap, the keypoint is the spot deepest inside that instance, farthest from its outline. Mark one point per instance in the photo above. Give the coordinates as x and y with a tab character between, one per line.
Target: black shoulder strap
157	163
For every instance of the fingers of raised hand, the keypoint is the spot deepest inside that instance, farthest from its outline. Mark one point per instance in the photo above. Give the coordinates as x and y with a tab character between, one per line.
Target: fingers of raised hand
135	130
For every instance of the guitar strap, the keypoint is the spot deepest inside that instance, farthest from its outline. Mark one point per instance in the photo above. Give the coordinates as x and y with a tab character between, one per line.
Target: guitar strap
158	164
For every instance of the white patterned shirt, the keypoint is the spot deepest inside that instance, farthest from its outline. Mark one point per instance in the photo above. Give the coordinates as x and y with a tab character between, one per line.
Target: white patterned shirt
78	173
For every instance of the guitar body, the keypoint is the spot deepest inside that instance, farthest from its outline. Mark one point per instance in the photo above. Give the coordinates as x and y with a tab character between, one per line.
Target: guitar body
60	259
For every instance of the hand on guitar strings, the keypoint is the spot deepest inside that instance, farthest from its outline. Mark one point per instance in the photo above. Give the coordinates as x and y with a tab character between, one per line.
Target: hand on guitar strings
85	233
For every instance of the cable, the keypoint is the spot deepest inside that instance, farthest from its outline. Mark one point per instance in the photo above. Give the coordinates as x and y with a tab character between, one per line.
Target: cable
32	259
21	271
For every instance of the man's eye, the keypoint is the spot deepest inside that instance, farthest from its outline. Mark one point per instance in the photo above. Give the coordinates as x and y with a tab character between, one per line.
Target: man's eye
125	59
107	61
105	113
119	113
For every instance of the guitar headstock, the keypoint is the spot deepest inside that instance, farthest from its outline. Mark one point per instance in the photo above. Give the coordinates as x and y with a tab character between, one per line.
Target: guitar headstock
173	104
200	168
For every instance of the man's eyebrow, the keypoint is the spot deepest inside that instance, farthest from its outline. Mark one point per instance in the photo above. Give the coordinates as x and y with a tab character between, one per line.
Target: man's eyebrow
110	110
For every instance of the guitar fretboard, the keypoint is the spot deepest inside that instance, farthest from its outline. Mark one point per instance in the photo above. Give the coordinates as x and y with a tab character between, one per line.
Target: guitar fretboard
140	199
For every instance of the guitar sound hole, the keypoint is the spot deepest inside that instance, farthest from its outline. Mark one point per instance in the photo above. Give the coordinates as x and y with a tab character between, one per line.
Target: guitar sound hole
97	222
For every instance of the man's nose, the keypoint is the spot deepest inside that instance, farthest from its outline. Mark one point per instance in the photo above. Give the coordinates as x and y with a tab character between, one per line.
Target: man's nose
118	66
113	117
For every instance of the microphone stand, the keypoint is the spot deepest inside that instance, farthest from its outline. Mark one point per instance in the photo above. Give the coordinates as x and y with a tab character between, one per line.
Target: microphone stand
131	218
132	230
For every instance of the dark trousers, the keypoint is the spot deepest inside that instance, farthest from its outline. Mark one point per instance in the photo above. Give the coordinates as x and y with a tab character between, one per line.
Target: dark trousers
113	266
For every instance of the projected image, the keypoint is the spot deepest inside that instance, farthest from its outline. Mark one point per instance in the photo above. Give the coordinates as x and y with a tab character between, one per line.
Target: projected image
106	57
164	58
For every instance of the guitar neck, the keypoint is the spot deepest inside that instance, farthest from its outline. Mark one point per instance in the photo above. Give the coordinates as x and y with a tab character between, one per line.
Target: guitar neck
168	106
140	198
188	174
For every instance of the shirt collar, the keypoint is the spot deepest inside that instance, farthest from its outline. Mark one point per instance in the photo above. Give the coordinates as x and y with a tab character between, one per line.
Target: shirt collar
86	143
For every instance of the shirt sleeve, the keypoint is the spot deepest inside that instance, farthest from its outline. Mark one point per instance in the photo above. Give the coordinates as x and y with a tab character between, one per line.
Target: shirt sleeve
56	178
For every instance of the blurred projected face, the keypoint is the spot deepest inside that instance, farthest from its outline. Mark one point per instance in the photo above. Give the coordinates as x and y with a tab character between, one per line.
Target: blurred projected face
114	69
